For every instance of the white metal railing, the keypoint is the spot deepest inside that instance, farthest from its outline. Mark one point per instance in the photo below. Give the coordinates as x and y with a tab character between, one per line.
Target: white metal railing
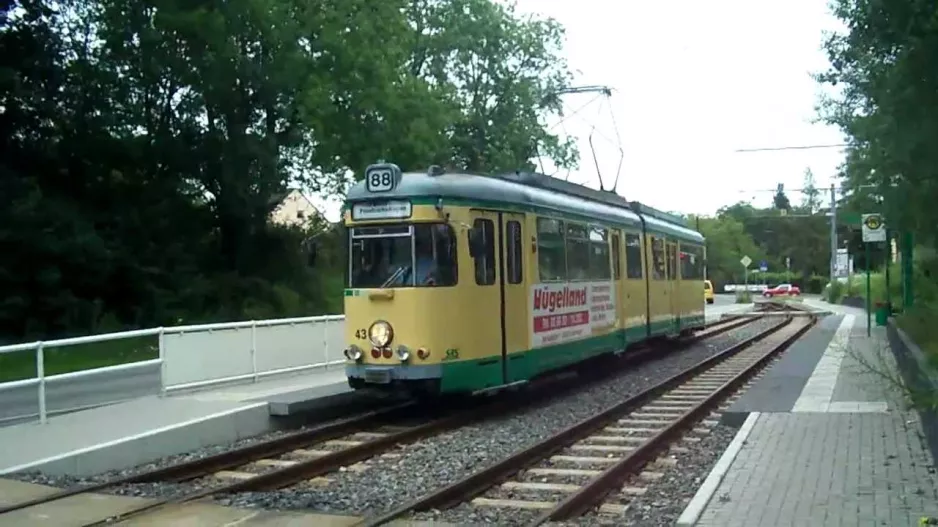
204	355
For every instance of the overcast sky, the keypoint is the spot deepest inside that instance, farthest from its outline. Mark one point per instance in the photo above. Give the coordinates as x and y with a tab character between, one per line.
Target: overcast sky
693	82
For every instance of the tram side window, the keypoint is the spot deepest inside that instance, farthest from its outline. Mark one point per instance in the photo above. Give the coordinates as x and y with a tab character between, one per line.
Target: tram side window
672	261
633	256
616	262
578	252
514	253
551	254
658	271
599	253
691	262
485	262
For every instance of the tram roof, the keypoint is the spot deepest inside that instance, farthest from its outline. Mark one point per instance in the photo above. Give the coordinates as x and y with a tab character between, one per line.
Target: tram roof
540	193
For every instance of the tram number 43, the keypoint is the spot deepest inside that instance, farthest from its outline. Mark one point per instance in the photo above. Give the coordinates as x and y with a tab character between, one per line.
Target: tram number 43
361	334
451	354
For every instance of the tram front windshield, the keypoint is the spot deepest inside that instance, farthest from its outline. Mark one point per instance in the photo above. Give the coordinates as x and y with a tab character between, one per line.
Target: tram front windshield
419	255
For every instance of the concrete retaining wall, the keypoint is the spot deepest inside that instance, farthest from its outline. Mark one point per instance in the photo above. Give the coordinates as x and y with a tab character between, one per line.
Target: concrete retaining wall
918	375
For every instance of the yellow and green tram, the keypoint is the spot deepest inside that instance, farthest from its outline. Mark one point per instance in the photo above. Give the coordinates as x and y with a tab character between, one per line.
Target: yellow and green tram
462	283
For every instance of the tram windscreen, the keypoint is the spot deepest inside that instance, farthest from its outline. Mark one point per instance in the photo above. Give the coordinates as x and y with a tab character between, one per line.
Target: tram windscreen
419	255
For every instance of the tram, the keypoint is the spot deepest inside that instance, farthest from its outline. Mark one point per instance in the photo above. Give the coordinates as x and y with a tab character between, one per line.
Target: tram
460	283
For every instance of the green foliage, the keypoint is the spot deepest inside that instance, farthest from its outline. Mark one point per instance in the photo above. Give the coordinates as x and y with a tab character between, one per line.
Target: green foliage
836	291
887	104
766	234
743	297
144	144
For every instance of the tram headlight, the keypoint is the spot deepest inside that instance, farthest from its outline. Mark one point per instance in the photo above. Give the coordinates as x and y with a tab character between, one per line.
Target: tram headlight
353	352
380	333
403	353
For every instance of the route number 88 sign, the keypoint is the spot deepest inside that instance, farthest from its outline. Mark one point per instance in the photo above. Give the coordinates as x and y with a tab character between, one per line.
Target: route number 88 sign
381	178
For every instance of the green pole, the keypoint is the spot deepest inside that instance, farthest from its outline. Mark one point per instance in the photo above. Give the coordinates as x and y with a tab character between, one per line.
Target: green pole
888	264
868	303
906	258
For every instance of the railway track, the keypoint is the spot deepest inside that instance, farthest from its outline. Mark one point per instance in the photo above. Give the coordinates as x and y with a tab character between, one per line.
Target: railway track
602	461
306	457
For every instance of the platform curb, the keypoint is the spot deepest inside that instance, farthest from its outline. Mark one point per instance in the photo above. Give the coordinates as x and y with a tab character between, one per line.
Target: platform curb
708	488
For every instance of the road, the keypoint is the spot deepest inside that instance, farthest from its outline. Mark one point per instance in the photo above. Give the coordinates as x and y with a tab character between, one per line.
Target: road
722	303
22	403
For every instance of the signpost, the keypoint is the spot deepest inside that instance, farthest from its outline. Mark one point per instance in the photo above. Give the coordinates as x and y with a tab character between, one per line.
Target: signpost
763	266
874	231
746	261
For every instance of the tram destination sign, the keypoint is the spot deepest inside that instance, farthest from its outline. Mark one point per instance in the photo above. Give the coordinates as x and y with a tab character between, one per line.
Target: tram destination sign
383	210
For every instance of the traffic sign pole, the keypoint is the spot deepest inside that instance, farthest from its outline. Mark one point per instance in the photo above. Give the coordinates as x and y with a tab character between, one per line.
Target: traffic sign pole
874	231
868	302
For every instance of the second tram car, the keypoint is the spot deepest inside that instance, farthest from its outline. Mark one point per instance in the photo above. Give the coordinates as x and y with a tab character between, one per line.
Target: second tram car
461	282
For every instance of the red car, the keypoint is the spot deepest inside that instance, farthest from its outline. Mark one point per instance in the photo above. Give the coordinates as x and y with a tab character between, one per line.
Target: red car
782	290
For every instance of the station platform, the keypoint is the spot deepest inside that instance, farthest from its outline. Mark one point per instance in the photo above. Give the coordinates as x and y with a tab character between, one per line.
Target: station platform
824	439
130	433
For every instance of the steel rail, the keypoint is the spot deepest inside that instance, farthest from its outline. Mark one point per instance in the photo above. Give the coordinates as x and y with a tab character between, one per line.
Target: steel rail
595	491
478	482
188	470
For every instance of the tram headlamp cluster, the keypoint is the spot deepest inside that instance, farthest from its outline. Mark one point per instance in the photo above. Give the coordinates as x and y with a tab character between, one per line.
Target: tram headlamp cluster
353	352
380	333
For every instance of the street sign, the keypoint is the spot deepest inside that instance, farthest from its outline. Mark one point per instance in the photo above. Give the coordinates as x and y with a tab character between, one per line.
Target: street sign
763	266
745	260
874	229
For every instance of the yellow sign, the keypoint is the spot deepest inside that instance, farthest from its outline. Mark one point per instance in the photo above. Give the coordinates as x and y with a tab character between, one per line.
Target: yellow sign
874	229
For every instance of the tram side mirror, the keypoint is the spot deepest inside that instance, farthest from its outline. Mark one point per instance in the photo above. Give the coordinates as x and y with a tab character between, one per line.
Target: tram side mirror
476	244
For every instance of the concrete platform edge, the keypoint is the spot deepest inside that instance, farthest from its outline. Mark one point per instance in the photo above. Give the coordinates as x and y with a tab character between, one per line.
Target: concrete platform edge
219	428
705	493
784	380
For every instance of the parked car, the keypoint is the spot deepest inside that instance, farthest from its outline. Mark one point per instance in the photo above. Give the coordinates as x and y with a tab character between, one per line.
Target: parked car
782	290
708	291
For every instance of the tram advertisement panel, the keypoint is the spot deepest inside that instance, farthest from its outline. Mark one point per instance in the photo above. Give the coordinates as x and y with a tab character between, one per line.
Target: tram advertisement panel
564	312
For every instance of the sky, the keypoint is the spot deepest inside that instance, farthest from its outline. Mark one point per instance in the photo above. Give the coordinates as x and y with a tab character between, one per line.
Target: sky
694	82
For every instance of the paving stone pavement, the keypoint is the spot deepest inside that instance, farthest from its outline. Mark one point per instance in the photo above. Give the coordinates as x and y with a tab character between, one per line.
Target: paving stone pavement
850	453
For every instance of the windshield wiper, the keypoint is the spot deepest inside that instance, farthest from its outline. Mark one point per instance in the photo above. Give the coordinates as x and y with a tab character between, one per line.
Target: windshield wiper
400	271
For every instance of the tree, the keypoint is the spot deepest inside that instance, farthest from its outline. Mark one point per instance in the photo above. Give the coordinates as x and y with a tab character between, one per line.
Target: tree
780	201
500	74
812	196
727	243
144	142
887	106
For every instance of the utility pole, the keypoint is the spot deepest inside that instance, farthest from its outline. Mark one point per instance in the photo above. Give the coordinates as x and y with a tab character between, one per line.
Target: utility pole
833	233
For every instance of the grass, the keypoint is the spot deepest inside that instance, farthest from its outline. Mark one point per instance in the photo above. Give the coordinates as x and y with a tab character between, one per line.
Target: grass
743	297
66	359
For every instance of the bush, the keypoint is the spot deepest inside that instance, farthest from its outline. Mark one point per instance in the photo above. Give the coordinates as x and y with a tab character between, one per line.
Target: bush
836	292
743	297
815	284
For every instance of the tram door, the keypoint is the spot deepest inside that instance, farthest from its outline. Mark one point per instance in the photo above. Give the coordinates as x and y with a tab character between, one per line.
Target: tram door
675	288
499	299
484	299
514	294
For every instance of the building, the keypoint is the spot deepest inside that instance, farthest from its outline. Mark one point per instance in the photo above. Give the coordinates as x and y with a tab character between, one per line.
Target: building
292	208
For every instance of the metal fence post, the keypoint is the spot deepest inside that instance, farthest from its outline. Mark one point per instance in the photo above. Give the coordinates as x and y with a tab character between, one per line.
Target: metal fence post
162	345
41	374
325	343
254	349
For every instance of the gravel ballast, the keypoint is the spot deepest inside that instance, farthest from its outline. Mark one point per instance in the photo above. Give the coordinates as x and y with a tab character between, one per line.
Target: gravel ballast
429	464
432	463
